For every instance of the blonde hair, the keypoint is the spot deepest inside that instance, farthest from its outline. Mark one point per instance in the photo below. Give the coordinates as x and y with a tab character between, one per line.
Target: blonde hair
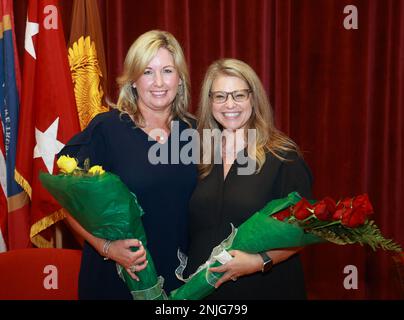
139	55
268	138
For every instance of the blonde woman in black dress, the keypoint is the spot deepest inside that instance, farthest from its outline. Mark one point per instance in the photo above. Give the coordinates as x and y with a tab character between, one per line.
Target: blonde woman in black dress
153	96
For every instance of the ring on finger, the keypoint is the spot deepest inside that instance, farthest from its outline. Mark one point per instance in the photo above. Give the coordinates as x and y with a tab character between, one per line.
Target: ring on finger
133	268
234	278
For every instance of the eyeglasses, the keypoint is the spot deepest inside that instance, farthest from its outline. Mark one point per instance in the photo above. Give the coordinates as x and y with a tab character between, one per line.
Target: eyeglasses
238	95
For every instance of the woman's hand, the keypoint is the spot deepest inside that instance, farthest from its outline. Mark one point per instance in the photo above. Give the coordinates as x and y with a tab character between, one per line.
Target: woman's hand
242	264
120	251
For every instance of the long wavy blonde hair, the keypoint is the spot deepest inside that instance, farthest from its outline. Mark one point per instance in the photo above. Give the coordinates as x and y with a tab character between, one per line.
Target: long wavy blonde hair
268	137
139	55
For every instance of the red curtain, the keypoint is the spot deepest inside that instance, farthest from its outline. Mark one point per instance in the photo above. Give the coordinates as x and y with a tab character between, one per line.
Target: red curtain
338	93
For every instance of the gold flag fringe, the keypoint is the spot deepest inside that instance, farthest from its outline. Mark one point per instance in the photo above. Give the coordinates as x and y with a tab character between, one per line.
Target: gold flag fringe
23	183
43	224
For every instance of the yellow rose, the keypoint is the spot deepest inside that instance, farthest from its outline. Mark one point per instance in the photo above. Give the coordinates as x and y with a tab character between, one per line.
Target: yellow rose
66	164
96	170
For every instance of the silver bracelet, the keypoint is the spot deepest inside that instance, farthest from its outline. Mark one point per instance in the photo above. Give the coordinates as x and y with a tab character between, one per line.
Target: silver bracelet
105	248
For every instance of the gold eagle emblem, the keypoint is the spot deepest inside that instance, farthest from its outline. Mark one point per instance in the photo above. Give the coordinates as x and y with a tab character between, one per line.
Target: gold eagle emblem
86	75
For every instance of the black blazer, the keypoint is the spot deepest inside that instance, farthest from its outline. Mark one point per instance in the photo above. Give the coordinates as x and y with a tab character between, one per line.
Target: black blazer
216	203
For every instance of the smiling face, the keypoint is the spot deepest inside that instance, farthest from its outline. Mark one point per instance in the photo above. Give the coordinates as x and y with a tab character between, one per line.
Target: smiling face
158	85
231	115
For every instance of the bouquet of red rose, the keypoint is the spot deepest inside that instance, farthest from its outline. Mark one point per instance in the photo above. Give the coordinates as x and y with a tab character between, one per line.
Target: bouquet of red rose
290	222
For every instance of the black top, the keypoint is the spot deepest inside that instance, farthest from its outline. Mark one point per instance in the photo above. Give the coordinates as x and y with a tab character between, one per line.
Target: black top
163	191
216	203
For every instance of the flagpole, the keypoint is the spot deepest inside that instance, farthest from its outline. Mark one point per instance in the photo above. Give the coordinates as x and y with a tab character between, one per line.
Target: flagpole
58	237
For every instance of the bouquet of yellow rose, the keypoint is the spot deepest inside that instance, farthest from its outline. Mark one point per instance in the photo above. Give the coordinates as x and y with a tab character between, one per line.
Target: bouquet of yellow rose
290	222
105	207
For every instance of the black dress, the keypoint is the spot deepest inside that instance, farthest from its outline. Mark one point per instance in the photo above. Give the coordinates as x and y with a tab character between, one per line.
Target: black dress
216	203
163	191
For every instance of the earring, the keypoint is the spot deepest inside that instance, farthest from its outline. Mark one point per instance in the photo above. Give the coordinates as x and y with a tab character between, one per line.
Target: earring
134	92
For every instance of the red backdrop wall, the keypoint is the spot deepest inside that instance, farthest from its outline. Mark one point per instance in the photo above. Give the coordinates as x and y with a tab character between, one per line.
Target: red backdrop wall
338	93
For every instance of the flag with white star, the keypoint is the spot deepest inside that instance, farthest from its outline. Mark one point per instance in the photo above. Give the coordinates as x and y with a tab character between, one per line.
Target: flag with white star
14	204
48	117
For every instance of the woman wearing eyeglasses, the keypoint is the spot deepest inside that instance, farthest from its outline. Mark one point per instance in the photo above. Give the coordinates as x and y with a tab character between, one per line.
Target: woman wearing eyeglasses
234	105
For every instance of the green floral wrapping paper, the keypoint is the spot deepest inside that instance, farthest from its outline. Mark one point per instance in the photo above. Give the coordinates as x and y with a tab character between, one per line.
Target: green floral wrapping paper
105	207
284	223
260	232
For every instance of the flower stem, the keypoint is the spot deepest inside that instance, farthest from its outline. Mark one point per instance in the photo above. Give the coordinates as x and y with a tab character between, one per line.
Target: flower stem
308	218
327	225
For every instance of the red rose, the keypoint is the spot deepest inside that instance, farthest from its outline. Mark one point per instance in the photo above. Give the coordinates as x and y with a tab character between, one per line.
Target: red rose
346	215
302	209
282	215
363	202
340	208
324	209
353	212
354	217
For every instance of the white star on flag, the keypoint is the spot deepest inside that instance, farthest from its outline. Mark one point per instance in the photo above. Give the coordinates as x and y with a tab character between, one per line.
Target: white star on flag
47	146
31	29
